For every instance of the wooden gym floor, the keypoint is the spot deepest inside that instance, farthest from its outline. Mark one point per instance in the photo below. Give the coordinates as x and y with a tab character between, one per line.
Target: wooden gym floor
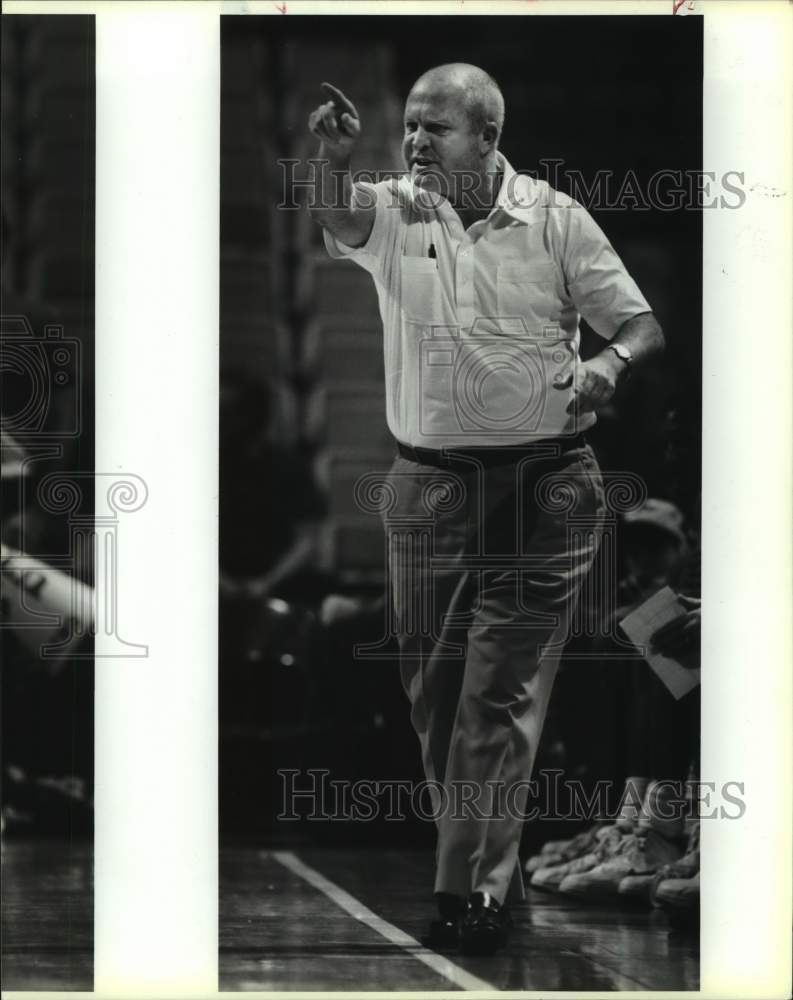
47	915
340	920
344	919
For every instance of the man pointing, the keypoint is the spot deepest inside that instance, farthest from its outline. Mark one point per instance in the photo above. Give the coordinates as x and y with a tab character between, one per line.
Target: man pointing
482	276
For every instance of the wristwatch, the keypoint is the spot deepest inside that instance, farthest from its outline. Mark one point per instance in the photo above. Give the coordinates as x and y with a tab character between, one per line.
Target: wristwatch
623	353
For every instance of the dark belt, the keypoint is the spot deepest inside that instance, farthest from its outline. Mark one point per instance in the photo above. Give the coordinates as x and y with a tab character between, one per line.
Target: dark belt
545	448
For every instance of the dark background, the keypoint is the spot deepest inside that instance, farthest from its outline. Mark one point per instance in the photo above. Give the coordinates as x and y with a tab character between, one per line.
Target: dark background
47	189
47	407
301	337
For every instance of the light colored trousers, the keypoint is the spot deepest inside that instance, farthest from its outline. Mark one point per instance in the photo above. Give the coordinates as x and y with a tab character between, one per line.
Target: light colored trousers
486	563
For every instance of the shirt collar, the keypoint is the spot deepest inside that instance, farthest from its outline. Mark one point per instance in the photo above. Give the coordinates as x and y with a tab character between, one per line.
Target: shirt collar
518	194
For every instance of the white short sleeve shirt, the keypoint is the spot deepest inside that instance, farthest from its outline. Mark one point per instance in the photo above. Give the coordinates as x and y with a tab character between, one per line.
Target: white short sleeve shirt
481	324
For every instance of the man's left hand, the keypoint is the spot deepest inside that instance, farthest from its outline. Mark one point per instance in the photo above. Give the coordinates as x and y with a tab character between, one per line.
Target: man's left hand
593	382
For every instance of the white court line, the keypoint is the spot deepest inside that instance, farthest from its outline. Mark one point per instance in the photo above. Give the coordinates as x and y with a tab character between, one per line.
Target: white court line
464	980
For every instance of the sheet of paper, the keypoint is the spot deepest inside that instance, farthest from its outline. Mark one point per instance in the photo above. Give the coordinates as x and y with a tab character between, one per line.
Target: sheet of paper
642	622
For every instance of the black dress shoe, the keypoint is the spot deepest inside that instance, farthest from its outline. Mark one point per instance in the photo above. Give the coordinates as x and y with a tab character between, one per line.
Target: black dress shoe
485	925
444	933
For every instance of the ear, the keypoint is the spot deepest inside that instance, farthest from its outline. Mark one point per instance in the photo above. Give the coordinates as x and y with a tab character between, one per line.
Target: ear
489	138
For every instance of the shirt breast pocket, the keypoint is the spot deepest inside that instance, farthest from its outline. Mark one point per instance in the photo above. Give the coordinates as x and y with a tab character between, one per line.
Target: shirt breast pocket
529	291
421	290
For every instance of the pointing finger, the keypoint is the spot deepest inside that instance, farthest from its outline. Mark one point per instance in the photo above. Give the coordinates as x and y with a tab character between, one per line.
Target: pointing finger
340	102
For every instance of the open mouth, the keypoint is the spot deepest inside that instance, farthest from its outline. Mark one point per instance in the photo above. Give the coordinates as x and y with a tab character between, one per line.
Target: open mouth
421	164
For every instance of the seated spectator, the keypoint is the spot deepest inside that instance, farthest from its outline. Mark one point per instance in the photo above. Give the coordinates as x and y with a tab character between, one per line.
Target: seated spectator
660	735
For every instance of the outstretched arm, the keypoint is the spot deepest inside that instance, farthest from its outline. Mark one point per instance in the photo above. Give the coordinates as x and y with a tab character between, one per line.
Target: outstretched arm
338	127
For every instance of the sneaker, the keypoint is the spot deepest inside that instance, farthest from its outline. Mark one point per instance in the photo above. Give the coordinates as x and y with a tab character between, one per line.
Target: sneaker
608	841
678	894
631	802
640	887
636	887
663	810
549	879
557	852
685	867
641	853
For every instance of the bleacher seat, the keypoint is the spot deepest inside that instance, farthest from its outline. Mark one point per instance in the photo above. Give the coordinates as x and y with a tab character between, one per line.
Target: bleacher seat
244	120
308	233
336	288
339	350
247	286
243	66
307	64
348	420
379	149
260	348
284	420
249	171
357	551
249	191
342	475
331	305
353	541
246	224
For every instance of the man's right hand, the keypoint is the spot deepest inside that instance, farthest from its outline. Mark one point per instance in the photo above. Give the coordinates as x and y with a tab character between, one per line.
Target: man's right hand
337	125
336	122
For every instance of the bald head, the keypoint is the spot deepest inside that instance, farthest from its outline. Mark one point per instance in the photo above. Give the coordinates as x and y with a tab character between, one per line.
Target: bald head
453	120
472	87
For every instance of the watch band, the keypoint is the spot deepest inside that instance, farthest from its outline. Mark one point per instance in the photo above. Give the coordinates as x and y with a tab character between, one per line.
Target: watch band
622	352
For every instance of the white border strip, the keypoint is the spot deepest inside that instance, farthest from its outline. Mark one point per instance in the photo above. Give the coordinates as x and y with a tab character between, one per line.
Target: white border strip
746	906
277	8
157	184
746	504
462	979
